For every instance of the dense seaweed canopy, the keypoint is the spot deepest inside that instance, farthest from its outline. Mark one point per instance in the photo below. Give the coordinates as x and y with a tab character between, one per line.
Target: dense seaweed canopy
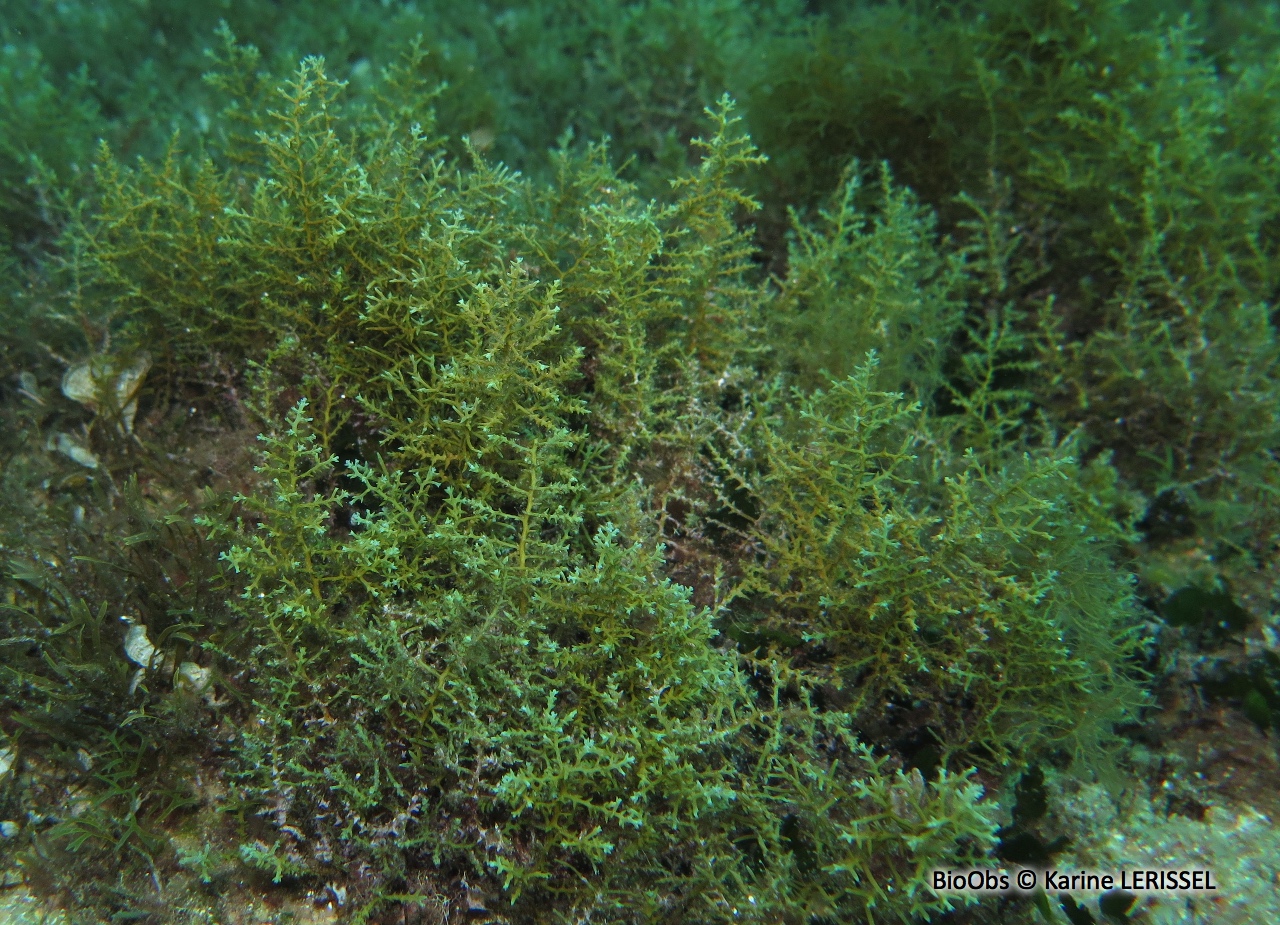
678	461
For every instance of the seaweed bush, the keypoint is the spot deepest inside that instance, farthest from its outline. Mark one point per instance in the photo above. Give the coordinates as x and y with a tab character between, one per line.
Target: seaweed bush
1129	171
47	142
600	557
936	592
457	672
871	277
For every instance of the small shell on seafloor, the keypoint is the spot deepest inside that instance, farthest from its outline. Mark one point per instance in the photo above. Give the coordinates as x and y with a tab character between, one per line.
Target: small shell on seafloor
189	677
8	757
111	380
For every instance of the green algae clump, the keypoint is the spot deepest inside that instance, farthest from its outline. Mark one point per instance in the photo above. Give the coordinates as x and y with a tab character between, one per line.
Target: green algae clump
579	568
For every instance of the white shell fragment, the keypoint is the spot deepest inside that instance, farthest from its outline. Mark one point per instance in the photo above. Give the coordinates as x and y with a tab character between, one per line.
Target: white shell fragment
7	759
79	384
75	450
102	378
189	678
138	647
193	678
29	387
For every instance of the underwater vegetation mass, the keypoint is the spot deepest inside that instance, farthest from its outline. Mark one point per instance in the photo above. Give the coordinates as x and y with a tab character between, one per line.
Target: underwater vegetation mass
687	461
